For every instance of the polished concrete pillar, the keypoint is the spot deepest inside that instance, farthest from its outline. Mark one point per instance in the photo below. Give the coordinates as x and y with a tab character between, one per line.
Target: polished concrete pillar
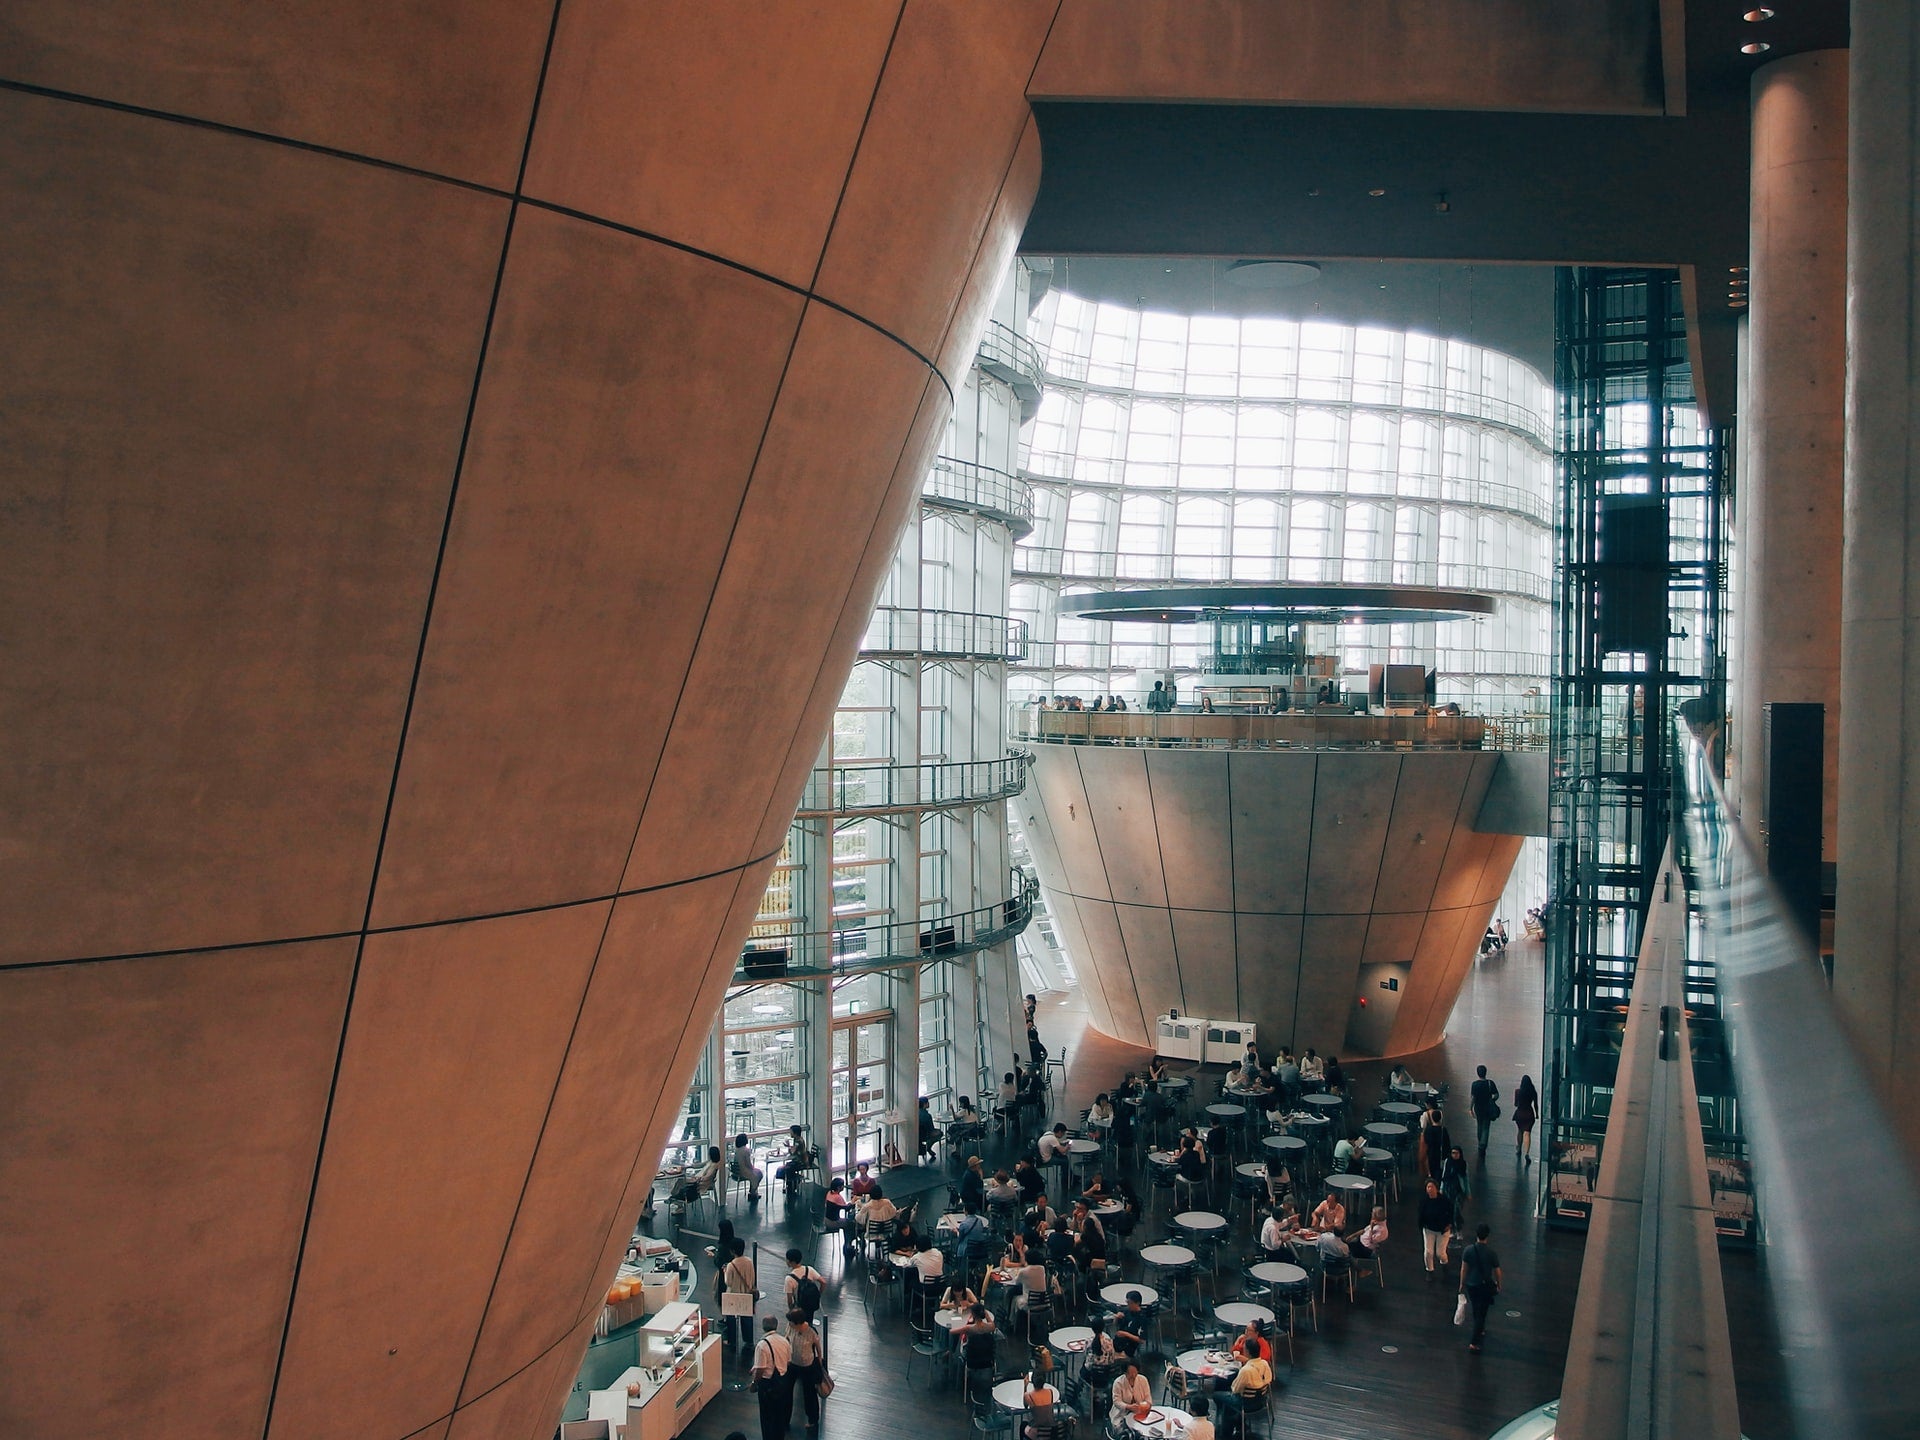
1876	968
1793	415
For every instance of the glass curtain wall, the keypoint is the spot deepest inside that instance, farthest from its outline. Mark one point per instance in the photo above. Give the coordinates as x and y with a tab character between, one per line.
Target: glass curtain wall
1208	449
895	888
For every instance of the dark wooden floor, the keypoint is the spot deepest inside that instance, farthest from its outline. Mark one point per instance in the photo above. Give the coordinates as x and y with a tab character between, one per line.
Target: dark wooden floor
1347	1382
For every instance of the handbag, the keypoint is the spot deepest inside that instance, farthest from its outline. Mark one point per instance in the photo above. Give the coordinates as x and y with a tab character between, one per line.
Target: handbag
1460	1309
825	1386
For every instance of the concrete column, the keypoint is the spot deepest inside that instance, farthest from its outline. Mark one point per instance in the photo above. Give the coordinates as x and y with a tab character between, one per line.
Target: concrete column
1794	412
1876	949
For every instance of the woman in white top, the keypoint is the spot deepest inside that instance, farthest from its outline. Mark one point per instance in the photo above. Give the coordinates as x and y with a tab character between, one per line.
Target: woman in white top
1131	1395
1312	1067
1100	1113
1371	1236
958	1297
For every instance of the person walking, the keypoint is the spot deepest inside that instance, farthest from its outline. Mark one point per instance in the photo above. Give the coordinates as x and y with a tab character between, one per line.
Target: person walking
809	1365
1434	1142
1526	1110
1484	1100
772	1376
1479	1282
1436	1225
1455	1185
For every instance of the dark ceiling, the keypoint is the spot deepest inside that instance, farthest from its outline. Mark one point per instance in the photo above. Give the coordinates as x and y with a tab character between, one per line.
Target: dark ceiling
1466	187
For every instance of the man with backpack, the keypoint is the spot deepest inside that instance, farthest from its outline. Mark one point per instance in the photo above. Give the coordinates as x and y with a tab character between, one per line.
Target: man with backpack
804	1285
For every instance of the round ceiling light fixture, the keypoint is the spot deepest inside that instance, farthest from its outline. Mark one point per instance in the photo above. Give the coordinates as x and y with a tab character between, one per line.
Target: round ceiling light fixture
1755	47
1754	17
1272	274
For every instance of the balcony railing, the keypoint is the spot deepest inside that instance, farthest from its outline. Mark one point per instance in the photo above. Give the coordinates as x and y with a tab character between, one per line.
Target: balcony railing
1330	731
774	954
1008	355
963	485
884	789
1050	562
956	634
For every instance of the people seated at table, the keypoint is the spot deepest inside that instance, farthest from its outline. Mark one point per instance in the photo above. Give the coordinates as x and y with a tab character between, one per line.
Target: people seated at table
1190	1164
1100	1113
863	1182
1100	1348
836	1208
1371	1236
976	1338
743	1168
1132	1396
1312	1067
1329	1214
1129	1086
971	1236
1336	1078
929	1262
1278	1229
1233	1079
1090	1236
973	1183
1214	1142
1059	1241
1096	1190
1250	1344
1001	1187
800	1158
876	1209
1349	1154
1157	1070
1199	1427
1252	1058
1016	1252
1034	1280
1279	1180
1251	1381
1039	1396
1130	1325
1033	1185
1033	1091
1286	1075
1400	1078
906	1239
1042	1213
1009	1107
1053	1144
1331	1245
694	1183
958	1297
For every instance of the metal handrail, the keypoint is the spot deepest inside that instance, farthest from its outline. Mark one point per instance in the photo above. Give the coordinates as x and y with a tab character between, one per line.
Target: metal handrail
1008	355
965	485
1057	562
1843	1289
895	630
1193	730
775	954
883	789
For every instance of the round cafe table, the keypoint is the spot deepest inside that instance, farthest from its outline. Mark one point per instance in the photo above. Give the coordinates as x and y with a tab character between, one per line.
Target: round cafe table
1107	1207
1070	1343
1390	1135
950	1320
1241	1313
1116	1295
1277	1272
1355	1192
1324	1104
1167	1257
1202	1224
1290	1148
1210	1364
1227	1114
1162	1423
1401	1110
1418	1093
1011	1394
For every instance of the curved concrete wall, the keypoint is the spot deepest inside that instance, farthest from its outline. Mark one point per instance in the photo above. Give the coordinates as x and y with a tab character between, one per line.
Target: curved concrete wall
1267	885
450	453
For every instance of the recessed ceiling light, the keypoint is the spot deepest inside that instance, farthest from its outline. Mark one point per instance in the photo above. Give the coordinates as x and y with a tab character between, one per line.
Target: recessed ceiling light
1376	192
1756	47
1271	274
1754	17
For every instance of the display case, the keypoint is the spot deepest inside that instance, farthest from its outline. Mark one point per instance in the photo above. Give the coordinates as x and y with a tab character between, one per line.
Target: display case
679	1371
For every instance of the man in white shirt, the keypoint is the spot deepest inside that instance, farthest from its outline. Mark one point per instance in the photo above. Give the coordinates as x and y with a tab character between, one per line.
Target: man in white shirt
929	1262
1053	1144
772	1380
1200	1427
797	1271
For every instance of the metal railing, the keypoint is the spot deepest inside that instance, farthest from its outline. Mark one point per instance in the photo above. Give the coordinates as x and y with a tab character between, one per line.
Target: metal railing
1842	1281
774	954
1051	562
1192	730
881	789
963	485
955	633
1008	355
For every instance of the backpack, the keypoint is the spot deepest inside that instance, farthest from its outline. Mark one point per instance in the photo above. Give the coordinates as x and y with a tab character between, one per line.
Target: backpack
806	1293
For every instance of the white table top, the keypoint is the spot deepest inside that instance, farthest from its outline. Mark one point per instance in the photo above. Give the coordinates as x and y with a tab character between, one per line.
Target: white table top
1227	1112
1070	1337
1200	1220
1218	1363
1285	1144
1277	1272
1323	1102
1116	1295
1176	1082
1083	1147
950	1320
1252	1169
1011	1394
1240	1312
1109	1207
1161	1423
1168	1255
1358	1184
